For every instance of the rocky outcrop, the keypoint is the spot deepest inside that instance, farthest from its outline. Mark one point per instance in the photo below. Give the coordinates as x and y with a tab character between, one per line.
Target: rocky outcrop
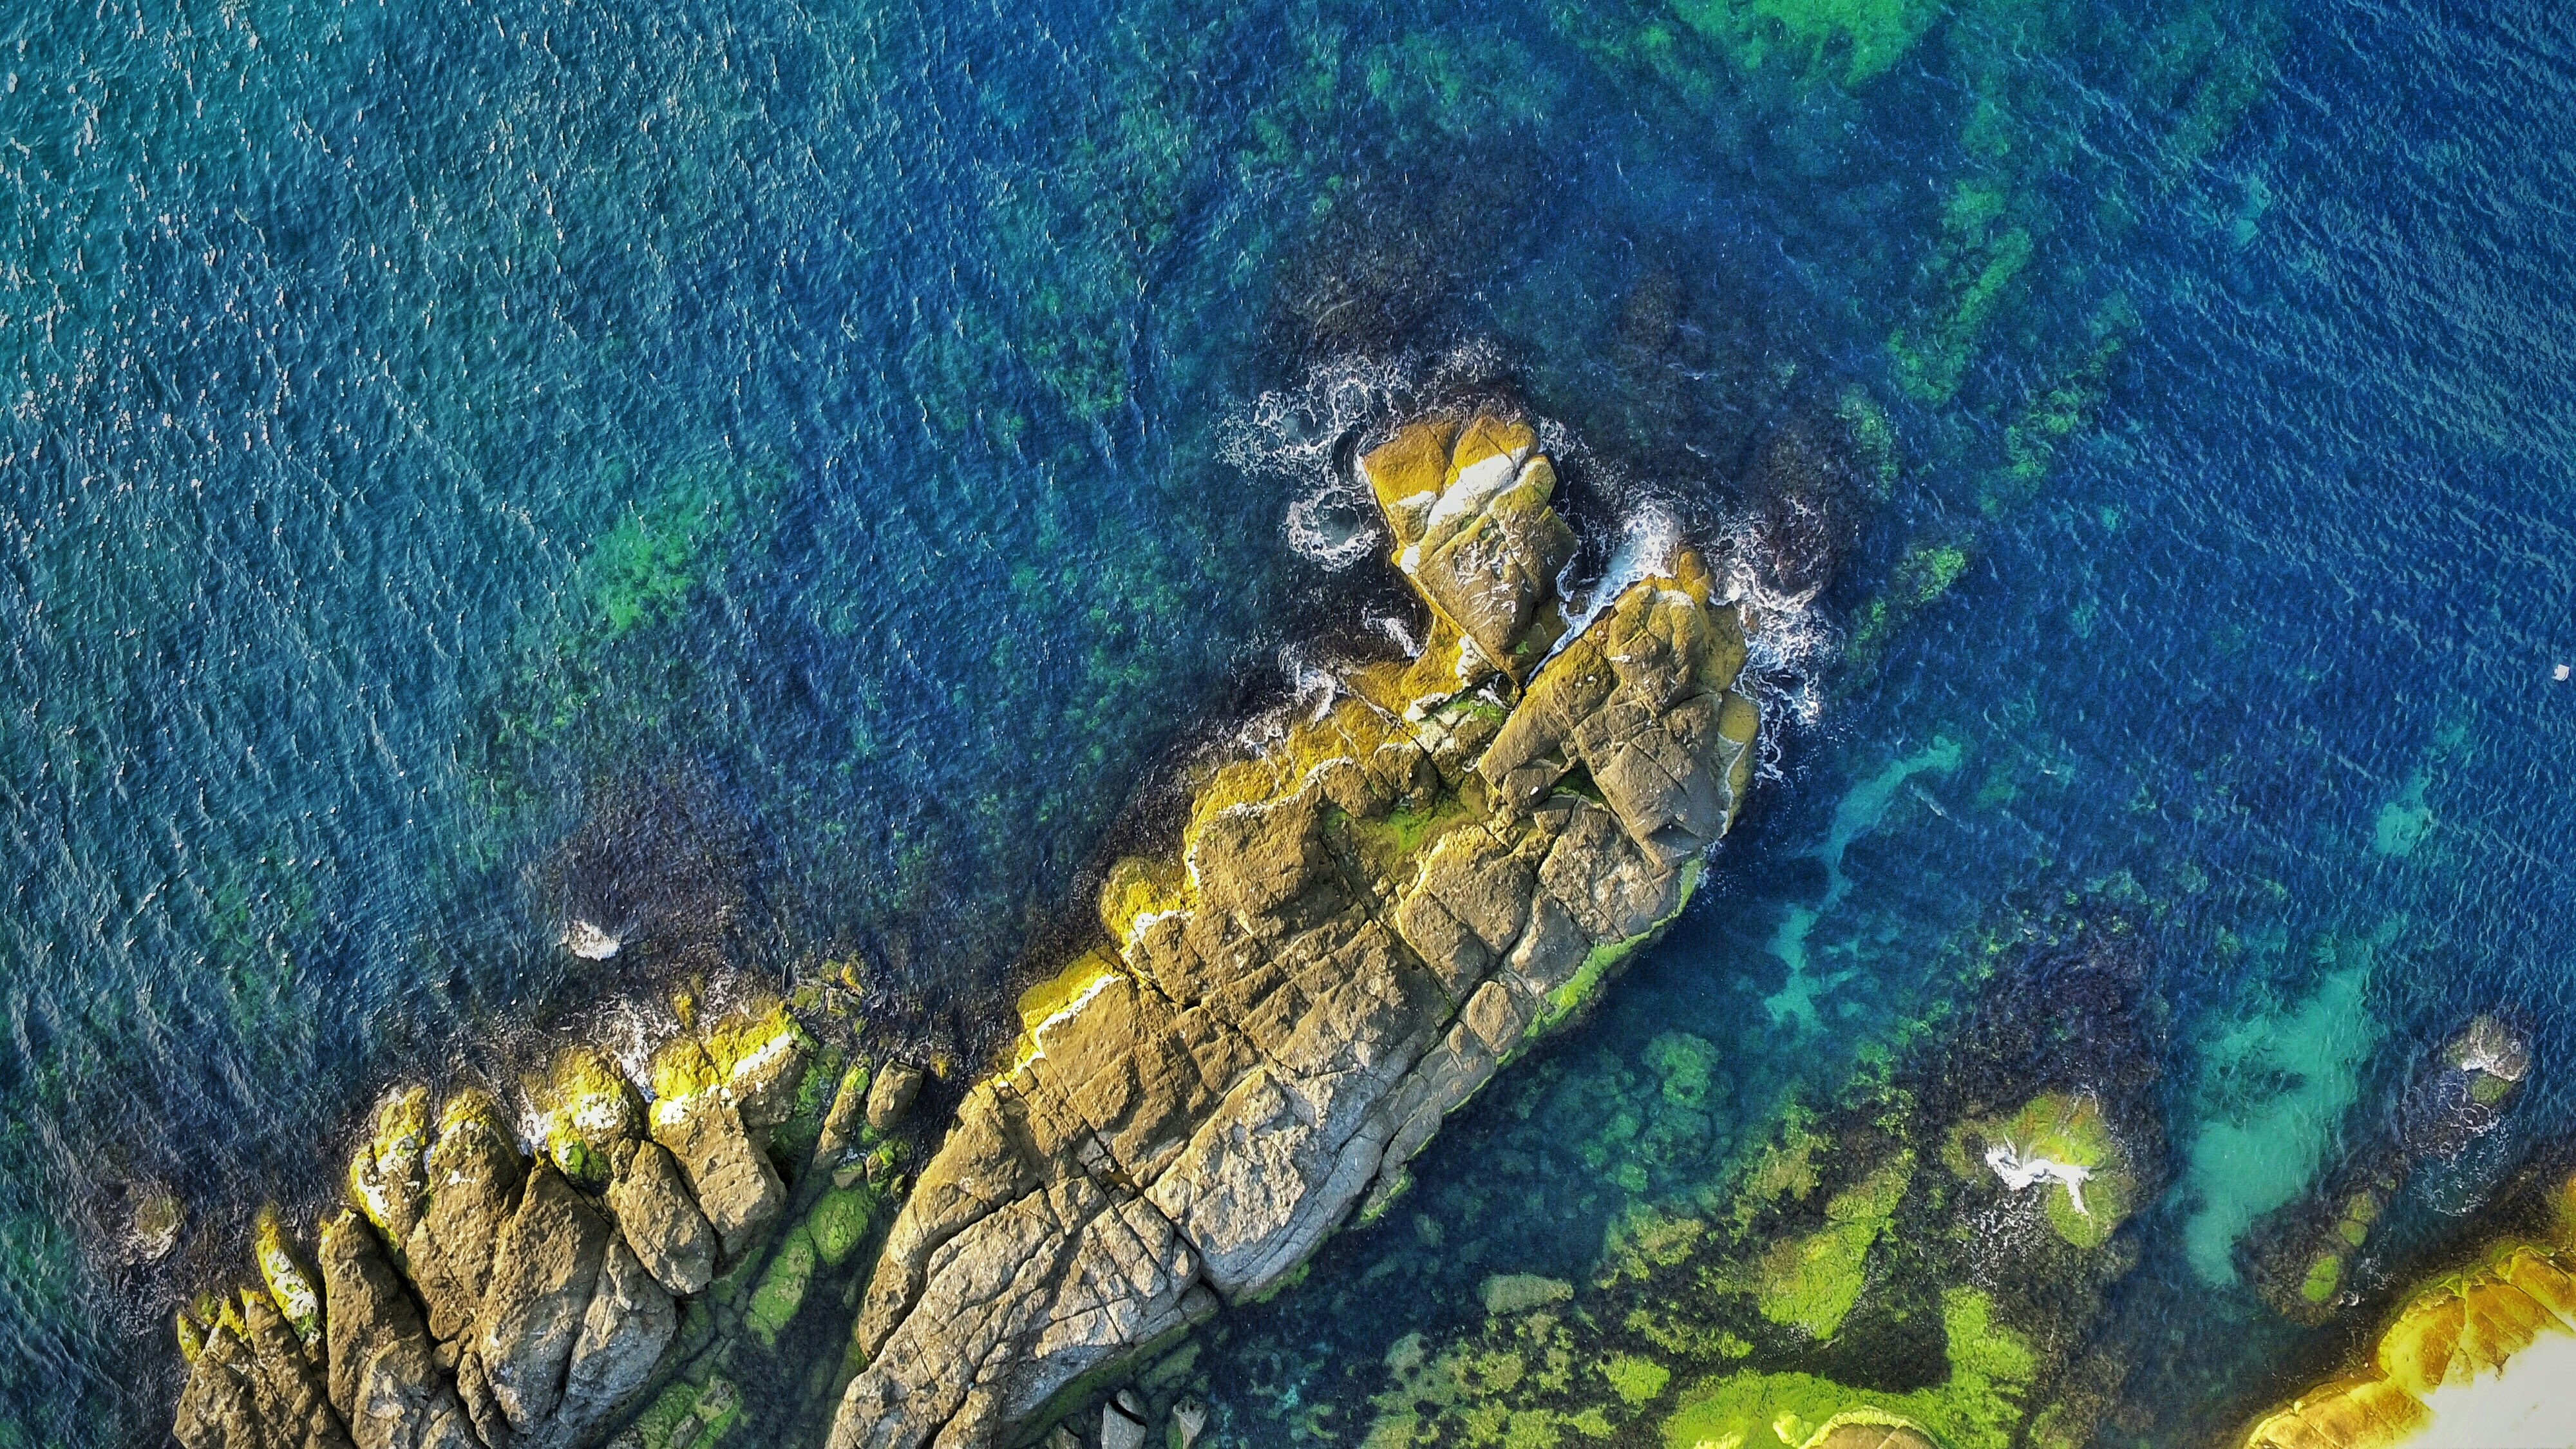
2301	1256
2476	1356
384	1377
476	1300
1366	918
669	1235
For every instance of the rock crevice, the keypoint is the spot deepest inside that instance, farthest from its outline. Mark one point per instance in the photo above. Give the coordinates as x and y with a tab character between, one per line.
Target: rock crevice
1365	920
472	1299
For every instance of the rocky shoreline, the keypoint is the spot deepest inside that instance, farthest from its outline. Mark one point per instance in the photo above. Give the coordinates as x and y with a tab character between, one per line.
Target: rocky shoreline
2478	1355
1443	859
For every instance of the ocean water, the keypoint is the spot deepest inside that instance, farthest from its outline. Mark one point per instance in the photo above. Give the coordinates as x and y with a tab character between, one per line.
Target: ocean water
774	479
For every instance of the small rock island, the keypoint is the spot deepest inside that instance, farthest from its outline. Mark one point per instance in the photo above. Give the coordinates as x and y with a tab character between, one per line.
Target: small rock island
1366	917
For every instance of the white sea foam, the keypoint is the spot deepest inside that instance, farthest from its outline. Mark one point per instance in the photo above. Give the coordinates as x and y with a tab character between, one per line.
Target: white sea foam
1302	435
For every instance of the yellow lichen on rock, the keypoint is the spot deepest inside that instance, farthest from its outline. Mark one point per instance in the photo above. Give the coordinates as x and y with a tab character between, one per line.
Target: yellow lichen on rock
1479	541
385	1174
1407	473
2447	1358
1055	1000
585	1107
290	1283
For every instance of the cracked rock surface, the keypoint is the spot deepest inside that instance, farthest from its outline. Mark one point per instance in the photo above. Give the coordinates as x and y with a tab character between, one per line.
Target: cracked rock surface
1366	919
477	1300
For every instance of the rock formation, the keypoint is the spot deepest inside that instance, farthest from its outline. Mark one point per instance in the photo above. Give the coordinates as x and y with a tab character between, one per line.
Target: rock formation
2300	1256
472	1299
1368	914
1364	921
2477	1356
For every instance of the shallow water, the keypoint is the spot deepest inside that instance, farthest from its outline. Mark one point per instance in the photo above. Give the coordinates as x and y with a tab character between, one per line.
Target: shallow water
795	469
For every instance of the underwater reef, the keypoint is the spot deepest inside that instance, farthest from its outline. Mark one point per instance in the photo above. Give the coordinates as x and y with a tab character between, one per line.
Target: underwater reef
1388	894
2479	1354
1890	1267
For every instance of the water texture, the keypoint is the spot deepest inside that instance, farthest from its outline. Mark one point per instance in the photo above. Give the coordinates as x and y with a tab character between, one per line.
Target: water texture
773	479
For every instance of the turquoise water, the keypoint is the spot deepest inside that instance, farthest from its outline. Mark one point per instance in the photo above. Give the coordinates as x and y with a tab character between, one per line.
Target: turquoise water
774	478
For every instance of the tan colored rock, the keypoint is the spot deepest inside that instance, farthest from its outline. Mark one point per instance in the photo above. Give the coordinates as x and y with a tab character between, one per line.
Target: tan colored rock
404	1402
373	1328
1468	907
370	1311
661	1222
541	1285
388	1177
474	1171
1017	1305
735	1187
586	1111
892	1094
258	1390
1367	917
629	1321
1475	533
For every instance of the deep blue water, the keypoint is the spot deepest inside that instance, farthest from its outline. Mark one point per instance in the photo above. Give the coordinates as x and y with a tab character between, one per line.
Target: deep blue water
797	467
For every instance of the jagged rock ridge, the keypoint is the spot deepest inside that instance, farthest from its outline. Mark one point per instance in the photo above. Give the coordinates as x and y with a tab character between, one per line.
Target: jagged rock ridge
472	1299
1367	917
1365	920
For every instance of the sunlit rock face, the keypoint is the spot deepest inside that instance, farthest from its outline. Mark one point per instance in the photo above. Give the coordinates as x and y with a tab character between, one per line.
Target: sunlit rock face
1366	918
472	1297
2481	1357
1370	910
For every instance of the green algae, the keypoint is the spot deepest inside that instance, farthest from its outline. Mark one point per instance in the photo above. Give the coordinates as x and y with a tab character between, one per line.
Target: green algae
1853	41
1978	1407
1873	437
827	1074
1637	1381
2063	1128
2059	412
839	1223
781	1289
605	670
1686	1067
1921	578
1812	1282
690	1415
1509	1293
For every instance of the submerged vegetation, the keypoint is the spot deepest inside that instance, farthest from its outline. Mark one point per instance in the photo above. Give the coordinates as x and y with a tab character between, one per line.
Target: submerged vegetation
911	624
1765	1290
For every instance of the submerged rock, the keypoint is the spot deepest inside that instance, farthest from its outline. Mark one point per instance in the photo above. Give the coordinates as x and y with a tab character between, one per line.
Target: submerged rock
1365	920
2301	1257
2479	1355
154	1228
587	941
